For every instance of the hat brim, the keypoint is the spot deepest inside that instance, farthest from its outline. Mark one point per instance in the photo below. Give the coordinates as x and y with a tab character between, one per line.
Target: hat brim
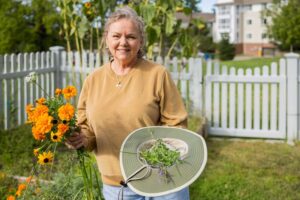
182	174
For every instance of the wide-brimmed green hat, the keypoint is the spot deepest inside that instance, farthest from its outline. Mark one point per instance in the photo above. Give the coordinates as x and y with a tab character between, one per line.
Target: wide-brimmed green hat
147	180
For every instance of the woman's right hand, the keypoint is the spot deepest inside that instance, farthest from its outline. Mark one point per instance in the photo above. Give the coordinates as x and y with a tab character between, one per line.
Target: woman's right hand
75	141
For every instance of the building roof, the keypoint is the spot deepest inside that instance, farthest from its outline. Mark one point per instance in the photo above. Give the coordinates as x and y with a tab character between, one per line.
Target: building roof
206	17
245	2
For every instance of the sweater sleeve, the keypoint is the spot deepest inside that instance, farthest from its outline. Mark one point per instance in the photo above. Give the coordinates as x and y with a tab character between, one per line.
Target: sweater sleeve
82	121
172	109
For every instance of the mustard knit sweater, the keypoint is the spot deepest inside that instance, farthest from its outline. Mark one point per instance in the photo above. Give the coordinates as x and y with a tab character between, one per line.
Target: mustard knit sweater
107	114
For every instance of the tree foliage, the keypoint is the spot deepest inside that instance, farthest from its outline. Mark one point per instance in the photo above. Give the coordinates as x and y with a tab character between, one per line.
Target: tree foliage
226	49
285	26
28	27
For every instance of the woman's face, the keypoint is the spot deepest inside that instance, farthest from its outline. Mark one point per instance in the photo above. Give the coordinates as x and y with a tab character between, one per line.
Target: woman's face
123	40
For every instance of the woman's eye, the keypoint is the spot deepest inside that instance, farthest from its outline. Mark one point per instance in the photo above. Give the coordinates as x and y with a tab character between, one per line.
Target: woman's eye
116	36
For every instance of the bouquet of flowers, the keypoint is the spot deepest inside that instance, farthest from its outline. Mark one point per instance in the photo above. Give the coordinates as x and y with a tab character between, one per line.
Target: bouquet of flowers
53	119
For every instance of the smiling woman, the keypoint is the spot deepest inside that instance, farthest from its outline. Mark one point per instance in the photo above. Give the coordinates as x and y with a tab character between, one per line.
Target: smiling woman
125	94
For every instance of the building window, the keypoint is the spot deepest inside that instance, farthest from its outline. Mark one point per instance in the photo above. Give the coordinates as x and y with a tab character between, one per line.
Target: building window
224	10
247	7
224	23
249	36
249	21
225	35
264	21
264	36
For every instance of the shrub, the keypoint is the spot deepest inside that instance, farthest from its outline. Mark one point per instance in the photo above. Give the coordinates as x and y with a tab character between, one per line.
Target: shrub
226	49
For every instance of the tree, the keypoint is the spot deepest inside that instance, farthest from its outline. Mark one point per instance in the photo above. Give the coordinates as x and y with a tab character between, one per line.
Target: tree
28	27
285	26
226	50
192	4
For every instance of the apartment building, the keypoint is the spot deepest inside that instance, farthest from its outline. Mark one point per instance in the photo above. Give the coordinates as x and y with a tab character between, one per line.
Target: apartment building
243	22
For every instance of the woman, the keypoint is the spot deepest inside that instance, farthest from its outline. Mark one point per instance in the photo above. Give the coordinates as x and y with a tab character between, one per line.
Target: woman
125	94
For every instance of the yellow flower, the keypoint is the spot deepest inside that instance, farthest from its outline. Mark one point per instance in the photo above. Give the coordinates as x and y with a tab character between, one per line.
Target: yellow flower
45	158
87	5
36	152
66	112
11	197
69	91
58	91
41	101
62	128
20	189
56	137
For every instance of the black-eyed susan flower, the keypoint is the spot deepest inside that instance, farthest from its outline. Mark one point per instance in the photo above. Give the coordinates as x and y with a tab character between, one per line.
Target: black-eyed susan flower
56	137
88	5
45	158
36	152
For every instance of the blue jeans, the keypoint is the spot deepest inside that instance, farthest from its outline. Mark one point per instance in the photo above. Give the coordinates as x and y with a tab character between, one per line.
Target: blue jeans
111	193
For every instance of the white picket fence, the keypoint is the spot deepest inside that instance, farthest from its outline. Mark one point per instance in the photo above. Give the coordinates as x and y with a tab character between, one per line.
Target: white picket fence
263	103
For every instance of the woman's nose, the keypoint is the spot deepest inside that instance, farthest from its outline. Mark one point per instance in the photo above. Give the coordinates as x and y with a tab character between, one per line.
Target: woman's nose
123	40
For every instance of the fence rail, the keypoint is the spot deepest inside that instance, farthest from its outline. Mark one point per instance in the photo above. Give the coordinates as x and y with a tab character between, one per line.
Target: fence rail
261	102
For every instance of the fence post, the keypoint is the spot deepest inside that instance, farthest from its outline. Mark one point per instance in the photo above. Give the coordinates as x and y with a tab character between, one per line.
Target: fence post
292	96
56	63
197	98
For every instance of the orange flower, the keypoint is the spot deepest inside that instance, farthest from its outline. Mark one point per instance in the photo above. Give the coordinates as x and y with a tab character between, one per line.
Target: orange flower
44	123
69	91
62	128
41	101
11	197
29	108
37	112
37	133
28	179
87	5
20	189
66	112
58	91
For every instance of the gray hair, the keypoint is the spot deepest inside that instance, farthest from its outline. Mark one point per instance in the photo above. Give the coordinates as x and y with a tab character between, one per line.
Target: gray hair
127	13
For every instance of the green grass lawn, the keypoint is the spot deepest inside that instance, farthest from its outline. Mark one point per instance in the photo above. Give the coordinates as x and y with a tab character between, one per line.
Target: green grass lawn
236	169
250	63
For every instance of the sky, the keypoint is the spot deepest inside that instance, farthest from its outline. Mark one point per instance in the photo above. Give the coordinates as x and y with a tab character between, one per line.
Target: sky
207	5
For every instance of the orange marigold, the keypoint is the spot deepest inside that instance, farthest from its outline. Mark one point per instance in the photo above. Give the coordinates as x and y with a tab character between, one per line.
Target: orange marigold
41	101
66	112
37	112
69	91
58	91
37	133
20	189
11	197
44	123
28	179
62	128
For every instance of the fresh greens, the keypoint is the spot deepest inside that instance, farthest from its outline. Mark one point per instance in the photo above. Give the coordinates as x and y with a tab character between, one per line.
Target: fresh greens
159	155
